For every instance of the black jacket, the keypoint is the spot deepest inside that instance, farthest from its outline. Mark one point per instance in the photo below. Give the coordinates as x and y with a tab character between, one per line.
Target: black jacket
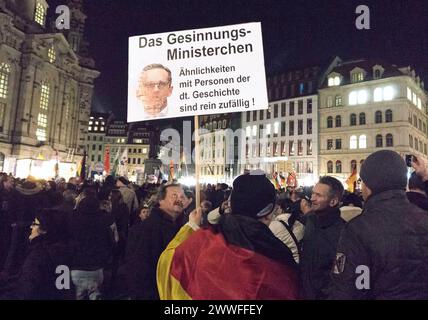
144	250
418	199
390	237
37	280
92	241
322	231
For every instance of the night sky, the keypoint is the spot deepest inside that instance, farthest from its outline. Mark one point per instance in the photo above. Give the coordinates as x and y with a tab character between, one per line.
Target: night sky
295	33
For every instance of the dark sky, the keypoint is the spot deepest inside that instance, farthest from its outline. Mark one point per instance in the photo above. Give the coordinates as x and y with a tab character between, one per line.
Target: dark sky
294	32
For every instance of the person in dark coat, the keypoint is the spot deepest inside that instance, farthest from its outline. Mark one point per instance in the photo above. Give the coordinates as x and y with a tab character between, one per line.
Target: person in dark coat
417	194
108	185
382	253
47	250
93	243
323	226
157	231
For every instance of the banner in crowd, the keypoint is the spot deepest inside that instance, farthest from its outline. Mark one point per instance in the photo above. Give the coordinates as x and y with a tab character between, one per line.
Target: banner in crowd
196	72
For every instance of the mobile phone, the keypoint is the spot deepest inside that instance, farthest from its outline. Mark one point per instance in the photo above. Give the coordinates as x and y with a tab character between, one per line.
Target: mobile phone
409	160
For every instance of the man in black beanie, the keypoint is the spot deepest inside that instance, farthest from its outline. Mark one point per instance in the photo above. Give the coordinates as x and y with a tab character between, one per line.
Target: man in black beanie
382	254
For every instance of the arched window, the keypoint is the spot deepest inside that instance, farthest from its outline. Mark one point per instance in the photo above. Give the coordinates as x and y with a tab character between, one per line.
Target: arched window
377	74
388	115
4	79
378	117
353	165
353	119
379	141
353	142
362	118
363	142
330	122
389	140
338	121
330	167
338	166
42	118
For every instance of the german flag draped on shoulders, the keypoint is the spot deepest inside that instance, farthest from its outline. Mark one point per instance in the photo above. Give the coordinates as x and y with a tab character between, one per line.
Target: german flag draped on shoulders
237	259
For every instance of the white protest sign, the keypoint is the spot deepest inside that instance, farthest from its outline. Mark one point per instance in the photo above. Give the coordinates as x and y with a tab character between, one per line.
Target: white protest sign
196	72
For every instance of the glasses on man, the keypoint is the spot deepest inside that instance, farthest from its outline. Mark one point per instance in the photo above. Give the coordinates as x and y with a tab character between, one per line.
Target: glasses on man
35	224
160	84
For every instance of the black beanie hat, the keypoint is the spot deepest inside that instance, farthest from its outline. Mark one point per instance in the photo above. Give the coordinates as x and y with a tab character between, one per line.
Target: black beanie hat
253	196
384	170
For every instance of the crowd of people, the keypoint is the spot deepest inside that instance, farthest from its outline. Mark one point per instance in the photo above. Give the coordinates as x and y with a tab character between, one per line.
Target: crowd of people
248	241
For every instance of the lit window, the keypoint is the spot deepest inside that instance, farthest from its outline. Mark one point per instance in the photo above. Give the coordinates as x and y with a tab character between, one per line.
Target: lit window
118	141
89	128
353	98
276	127
362	97
329	102
377	94
388	93
144	150
42	118
409	94
254	130
336	81
96	122
415	100
4	79
363	141
123	140
39	15
95	128
90	123
102	128
268	127
419	103
331	81
248	131
353	142
51	54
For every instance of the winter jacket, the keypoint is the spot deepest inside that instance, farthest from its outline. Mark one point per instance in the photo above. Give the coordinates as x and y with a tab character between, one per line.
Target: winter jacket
348	213
418	199
387	247
144	251
322	231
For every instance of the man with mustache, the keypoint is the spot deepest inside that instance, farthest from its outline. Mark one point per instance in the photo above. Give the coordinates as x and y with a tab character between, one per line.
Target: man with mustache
153	90
155	232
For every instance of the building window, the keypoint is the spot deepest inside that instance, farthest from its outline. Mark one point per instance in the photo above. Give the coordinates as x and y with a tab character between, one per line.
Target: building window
309	106
283	148
388	115
309	147
4	80
409	94
291	113
410	141
51	54
338	101
353	98
300	107
300	147
334	81
338	144
353	142
363	142
338	166
254	131
414	99
357	77
301	88
415	121
93	147
378	117
309	126
353	119
283	128
254	115
248	116
338	121
389	140
329	144
275	129
283	109
419	103
330	167
300	127
377	74
275	110
262	113
353	165
93	158
40	13
291	128
329	102
330	122
362	118
377	94
379	141
291	148
416	144
420	124
268	126
42	118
